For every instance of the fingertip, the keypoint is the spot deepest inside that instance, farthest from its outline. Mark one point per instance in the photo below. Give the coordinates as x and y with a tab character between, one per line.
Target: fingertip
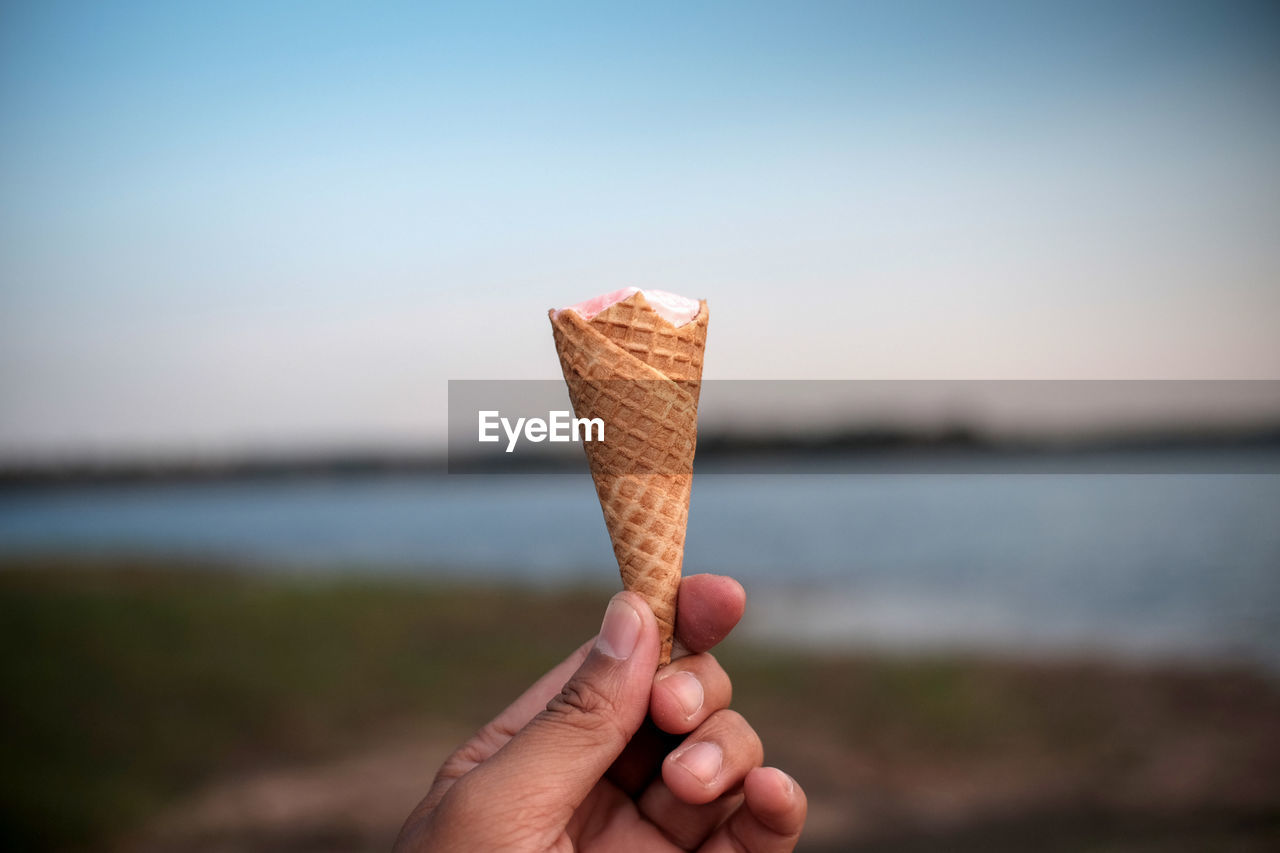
637	601
695	771
706	583
625	651
776	800
647	630
708	609
733	584
732	593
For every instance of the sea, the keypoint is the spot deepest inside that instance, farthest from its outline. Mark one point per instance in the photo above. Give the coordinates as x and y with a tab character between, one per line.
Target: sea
1174	566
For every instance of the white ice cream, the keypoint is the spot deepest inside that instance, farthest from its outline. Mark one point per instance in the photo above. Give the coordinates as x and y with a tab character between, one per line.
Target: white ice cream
676	310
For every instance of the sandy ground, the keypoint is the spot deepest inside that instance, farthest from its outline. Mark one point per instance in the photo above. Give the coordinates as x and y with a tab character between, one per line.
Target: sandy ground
1195	792
354	803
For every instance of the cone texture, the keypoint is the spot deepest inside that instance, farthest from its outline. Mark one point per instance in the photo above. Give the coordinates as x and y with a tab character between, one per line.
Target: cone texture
639	374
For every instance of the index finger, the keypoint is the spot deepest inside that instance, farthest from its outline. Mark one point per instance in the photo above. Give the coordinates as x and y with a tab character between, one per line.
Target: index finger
706	611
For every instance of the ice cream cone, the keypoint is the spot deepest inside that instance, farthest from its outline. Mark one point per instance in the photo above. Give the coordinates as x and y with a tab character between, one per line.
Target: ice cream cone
641	376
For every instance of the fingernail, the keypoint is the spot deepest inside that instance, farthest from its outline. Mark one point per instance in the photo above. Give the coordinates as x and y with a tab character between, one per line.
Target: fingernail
688	691
703	760
620	630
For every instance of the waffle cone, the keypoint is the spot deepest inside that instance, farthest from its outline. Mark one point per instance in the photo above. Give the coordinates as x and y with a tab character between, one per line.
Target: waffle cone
639	374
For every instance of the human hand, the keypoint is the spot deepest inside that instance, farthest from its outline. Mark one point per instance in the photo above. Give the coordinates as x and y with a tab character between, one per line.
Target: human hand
602	754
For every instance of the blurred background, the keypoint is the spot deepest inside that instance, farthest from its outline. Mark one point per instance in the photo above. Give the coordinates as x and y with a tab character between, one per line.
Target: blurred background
245	246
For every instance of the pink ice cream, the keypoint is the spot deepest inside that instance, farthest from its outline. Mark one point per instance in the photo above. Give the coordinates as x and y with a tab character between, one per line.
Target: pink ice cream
676	310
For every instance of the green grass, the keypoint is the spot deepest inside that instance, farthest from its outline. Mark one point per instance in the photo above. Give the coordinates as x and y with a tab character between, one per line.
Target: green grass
126	686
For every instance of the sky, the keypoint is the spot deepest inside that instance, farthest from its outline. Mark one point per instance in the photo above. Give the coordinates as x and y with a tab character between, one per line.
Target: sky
241	227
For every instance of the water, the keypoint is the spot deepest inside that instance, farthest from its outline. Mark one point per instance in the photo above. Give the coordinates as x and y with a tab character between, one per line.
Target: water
1164	566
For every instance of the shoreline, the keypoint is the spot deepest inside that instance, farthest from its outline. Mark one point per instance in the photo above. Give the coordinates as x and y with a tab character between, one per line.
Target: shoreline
802	619
957	449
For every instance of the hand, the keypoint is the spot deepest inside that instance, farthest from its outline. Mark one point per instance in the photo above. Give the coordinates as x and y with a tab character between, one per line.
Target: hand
602	754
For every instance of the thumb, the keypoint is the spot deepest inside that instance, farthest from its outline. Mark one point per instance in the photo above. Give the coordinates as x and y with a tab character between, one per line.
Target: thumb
554	761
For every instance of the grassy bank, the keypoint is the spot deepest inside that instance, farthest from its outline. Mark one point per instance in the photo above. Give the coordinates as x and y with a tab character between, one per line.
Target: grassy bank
128	686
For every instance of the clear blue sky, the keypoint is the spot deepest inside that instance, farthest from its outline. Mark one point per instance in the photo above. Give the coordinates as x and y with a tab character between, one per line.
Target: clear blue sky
266	225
